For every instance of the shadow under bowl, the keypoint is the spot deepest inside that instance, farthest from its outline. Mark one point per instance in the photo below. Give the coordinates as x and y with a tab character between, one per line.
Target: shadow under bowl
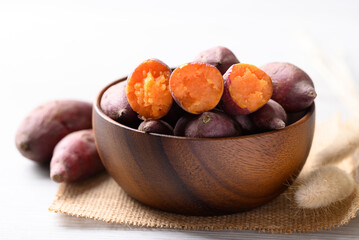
202	176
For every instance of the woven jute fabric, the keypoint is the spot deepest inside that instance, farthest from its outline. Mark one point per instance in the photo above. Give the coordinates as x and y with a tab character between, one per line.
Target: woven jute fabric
100	198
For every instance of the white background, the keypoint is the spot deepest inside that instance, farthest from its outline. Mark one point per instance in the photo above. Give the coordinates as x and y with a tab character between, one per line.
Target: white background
71	49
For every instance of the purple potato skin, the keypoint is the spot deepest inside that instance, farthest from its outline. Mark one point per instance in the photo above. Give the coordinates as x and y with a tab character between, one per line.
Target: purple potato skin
271	116
75	157
292	87
115	105
181	124
174	114
220	57
213	124
245	122
47	124
156	126
227	103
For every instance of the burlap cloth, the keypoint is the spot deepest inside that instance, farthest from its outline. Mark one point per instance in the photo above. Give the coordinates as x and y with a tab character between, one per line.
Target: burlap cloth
100	198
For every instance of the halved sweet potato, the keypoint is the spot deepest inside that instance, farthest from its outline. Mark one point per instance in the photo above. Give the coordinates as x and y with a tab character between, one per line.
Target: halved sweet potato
246	89
147	89
196	87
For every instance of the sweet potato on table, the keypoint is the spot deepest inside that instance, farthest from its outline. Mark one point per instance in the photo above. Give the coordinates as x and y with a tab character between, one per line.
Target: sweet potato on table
75	157
147	89
246	89
196	87
156	126
115	105
220	57
292	87
47	124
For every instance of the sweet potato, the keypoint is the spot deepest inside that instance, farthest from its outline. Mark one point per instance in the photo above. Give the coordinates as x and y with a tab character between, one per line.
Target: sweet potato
115	105
156	126
181	124
292	87
47	124
220	57
211	125
196	87
75	157
174	114
271	116
245	122
147	89
246	89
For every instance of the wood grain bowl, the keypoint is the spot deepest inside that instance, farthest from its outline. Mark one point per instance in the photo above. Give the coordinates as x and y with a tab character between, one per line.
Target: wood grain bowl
202	176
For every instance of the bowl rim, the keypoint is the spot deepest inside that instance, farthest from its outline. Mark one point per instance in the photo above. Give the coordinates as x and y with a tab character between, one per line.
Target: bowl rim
97	108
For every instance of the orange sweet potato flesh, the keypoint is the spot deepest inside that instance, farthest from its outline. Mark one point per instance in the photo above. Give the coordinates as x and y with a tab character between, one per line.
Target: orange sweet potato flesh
247	88
147	89
197	87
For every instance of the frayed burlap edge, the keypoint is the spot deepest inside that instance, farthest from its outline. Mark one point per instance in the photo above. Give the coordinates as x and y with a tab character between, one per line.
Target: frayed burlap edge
100	198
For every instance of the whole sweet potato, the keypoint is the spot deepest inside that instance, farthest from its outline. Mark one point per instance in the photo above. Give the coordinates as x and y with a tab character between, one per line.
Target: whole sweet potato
292	87
245	122
115	105
212	124
181	124
156	126
47	124
174	114
220	57
271	116
75	157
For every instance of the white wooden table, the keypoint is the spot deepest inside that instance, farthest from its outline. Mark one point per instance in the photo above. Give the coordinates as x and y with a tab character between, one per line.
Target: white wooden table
71	49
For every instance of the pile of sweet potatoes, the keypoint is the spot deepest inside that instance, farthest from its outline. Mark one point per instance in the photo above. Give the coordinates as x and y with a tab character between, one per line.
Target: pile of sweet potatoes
60	132
213	96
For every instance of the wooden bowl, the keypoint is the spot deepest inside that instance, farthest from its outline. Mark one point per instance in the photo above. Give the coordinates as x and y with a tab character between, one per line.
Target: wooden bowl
202	176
